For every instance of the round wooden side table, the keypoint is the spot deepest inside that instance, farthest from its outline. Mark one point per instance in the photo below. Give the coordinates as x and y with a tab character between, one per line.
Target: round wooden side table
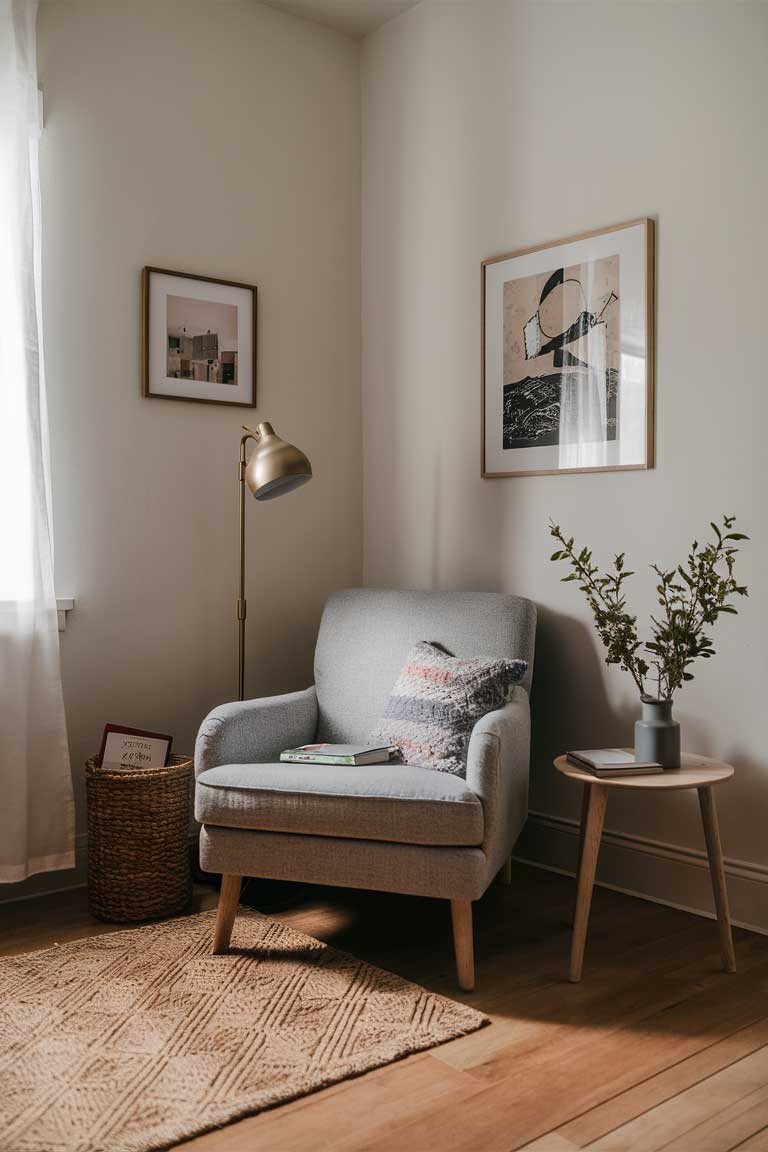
695	772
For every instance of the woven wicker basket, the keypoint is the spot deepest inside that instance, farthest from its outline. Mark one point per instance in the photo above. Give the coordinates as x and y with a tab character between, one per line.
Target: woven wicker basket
138	840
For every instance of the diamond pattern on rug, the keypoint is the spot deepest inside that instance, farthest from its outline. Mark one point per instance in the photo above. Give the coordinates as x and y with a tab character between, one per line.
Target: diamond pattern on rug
133	1041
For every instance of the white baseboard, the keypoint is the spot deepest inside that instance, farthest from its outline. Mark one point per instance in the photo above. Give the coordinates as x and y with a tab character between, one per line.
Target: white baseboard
650	869
48	883
635	865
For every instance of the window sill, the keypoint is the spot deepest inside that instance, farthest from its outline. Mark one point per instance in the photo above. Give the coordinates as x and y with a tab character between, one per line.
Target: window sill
64	605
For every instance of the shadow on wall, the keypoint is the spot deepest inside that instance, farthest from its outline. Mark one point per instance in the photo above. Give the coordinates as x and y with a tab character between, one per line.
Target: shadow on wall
569	705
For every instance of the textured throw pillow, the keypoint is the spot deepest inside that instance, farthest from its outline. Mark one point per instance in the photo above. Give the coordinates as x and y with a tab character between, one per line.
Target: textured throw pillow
436	702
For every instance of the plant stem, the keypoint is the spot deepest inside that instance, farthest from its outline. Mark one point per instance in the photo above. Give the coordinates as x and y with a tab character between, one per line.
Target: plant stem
598	594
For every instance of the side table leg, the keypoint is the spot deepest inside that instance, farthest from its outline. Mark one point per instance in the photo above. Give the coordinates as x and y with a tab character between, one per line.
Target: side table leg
717	872
591	832
582	826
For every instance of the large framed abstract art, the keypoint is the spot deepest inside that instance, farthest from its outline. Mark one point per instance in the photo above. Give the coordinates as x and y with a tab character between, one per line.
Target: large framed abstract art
567	355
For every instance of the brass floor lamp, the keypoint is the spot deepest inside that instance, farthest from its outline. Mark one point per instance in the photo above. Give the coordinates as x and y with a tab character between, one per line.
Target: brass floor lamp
274	468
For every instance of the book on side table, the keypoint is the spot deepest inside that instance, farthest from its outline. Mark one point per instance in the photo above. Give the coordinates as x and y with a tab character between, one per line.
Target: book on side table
337	754
612	762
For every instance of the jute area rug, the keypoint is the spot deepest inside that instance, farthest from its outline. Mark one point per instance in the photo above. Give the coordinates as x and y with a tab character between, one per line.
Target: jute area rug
133	1041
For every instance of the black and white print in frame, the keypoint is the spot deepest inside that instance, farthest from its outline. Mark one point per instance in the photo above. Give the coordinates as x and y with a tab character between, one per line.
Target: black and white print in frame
567	355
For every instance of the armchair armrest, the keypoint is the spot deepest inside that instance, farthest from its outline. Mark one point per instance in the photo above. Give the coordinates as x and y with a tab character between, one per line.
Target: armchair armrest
498	767
256	731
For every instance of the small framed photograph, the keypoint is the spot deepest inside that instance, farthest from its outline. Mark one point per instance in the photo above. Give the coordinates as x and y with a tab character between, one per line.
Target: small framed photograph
199	338
134	748
567	355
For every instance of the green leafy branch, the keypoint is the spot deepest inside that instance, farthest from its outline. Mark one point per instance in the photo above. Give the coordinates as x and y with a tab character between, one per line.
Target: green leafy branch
691	597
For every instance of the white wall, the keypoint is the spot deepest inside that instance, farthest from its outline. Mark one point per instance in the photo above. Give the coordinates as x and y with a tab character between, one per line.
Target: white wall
220	138
493	126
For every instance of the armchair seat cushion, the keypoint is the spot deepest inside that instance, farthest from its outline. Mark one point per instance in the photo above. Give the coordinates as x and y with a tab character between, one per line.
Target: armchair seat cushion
394	802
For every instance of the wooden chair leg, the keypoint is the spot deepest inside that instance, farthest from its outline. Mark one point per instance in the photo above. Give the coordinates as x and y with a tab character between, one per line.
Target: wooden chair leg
505	874
463	945
226	912
717	872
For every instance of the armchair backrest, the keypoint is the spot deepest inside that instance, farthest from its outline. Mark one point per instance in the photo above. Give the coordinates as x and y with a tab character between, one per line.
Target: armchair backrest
366	634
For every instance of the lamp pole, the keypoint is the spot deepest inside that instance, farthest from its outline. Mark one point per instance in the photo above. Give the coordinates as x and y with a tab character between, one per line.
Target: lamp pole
241	604
275	467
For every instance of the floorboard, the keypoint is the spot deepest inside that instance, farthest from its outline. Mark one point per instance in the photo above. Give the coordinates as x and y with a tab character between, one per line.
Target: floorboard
756	1143
655	1048
701	1115
626	1106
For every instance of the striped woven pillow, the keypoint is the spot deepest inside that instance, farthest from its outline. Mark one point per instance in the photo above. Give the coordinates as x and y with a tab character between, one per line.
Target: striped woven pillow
436	702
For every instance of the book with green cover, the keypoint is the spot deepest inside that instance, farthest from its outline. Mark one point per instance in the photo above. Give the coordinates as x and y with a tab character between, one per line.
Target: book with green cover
337	754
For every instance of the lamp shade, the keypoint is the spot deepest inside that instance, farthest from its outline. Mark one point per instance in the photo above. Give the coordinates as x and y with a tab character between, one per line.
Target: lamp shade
275	466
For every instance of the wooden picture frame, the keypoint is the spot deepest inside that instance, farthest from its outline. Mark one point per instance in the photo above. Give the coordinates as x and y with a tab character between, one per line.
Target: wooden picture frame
216	375
140	734
510	409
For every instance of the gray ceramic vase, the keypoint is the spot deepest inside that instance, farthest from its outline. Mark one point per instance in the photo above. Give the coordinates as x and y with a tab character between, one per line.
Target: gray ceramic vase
657	735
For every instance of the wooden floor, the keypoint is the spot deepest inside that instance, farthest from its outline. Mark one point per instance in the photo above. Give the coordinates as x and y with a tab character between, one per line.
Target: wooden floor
656	1048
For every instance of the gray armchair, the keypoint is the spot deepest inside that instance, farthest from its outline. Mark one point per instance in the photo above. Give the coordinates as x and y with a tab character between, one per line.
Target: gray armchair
390	827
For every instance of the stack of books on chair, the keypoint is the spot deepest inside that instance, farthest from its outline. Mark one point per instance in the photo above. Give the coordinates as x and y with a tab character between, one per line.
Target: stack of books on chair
612	762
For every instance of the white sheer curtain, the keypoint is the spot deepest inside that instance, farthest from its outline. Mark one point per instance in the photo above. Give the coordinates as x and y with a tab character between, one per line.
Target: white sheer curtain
36	804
